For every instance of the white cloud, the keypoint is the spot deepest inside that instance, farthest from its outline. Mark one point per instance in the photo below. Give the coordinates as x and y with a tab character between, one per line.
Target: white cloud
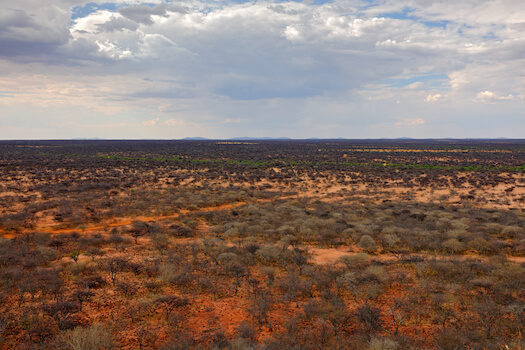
92	23
410	122
174	122
152	122
231	120
490	96
111	50
434	98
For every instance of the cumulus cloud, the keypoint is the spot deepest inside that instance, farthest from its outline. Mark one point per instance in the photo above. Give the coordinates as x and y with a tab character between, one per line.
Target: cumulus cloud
490	96
117	23
257	51
152	122
434	98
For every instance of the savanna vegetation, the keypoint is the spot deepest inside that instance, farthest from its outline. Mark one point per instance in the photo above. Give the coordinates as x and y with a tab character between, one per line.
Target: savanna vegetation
377	245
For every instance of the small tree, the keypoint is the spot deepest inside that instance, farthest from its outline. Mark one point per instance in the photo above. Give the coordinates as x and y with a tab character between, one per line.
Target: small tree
62	313
398	319
127	288
82	295
114	266
74	255
138	229
95	252
337	317
260	306
161	242
370	317
40	331
170	303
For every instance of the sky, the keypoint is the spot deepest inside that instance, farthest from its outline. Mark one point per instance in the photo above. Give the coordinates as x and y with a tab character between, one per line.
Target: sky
127	69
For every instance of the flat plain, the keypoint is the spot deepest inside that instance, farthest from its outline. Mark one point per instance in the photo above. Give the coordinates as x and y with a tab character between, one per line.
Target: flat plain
382	244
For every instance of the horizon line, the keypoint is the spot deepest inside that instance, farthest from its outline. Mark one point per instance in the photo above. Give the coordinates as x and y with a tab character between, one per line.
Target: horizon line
277	139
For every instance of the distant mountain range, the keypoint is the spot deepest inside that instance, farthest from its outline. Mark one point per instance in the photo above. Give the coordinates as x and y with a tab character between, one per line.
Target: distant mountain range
244	138
87	139
248	138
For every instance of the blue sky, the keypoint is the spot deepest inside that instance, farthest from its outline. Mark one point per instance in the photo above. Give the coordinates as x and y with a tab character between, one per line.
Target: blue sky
435	81
87	9
220	69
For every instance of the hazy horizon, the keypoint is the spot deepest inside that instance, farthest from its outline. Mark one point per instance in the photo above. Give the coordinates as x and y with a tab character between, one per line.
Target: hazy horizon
282	139
353	69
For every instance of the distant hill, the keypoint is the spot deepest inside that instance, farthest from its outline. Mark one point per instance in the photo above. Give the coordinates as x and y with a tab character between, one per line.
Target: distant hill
249	138
246	138
86	138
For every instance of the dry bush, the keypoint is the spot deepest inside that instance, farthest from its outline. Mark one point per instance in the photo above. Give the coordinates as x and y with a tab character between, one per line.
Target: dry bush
367	243
268	255
449	339
453	246
512	232
372	291
95	337
493	228
375	273
390	239
382	344
480	245
355	261
270	273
